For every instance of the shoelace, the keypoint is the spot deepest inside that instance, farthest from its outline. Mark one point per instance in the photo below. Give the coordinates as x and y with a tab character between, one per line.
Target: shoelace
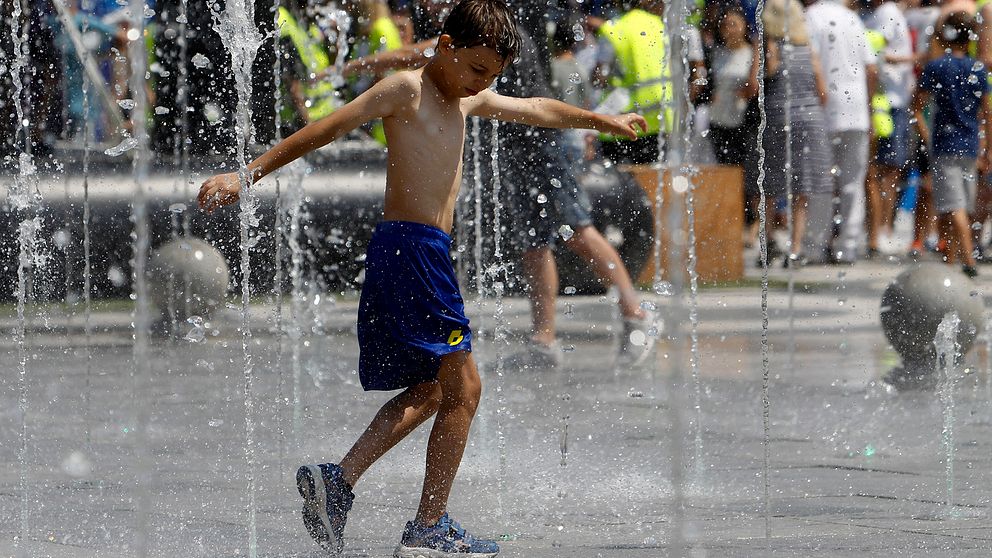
454	530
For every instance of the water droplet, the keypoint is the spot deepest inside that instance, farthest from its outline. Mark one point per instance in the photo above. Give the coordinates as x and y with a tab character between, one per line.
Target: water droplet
556	183
579	31
200	61
663	288
197	333
638	338
61	238
541	198
116	276
177	208
123	147
566	232
161	110
126	104
575	78
77	465
211	112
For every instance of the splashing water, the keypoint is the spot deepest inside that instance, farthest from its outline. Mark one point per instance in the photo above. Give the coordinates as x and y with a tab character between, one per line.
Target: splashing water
763	246
948	349
498	272
21	198
141	379
127	144
563	411
293	207
277	283
674	18
691	261
988	355
197	332
236	27
29	257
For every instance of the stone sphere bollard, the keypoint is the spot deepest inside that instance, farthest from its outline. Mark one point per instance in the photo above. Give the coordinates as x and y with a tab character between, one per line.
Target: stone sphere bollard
207	272
913	305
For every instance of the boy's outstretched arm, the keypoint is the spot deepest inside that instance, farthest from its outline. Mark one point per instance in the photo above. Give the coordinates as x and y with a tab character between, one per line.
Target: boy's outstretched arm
550	113
380	101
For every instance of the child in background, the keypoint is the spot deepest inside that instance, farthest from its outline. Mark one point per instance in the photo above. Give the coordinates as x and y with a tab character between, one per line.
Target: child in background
412	330
958	86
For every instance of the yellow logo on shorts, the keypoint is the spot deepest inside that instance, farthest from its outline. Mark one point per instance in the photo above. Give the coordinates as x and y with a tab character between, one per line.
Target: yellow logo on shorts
456	337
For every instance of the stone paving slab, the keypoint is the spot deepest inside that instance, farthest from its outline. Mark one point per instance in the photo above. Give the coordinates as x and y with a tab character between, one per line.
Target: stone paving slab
854	469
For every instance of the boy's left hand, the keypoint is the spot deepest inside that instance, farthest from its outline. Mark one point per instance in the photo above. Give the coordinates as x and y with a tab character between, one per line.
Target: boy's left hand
220	190
626	125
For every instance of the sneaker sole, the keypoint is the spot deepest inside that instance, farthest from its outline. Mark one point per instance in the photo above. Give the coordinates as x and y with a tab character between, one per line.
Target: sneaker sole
414	552
310	483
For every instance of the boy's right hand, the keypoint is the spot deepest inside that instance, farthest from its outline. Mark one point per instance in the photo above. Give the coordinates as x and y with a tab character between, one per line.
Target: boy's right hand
219	190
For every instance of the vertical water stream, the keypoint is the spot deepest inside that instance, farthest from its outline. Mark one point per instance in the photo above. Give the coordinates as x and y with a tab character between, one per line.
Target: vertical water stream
141	376
236	27
948	349
763	246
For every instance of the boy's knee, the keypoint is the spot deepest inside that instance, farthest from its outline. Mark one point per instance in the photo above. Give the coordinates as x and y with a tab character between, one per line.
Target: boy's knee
462	386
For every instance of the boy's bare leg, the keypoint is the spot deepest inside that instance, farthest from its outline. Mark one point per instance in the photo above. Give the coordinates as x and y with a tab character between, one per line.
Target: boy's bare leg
542	280
589	244
461	389
394	421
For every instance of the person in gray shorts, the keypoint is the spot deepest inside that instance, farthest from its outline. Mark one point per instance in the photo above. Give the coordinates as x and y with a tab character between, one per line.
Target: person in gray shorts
958	86
954	184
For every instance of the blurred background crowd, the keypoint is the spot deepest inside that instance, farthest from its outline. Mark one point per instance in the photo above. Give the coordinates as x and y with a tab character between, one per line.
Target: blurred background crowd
861	116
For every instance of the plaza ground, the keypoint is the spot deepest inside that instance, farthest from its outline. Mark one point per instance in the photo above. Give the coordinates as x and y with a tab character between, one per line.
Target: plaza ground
855	469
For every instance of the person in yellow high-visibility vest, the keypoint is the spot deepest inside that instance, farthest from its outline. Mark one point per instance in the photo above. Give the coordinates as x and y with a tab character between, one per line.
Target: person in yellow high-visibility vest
374	32
638	79
313	99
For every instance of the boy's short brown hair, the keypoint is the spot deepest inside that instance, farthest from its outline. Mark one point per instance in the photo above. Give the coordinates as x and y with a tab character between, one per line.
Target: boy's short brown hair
958	30
488	23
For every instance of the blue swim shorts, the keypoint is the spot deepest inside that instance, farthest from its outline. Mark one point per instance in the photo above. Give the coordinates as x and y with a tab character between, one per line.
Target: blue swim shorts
411	312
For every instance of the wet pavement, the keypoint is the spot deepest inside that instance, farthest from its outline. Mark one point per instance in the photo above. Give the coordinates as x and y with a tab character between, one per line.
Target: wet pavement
854	468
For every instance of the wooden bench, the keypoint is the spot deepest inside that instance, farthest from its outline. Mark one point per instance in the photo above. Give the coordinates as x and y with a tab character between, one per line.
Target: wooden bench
718	195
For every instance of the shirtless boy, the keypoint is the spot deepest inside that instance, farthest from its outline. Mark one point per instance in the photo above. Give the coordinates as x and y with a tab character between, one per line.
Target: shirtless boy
412	330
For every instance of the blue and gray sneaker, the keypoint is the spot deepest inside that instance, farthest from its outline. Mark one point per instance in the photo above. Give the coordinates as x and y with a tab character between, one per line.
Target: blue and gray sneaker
327	499
444	539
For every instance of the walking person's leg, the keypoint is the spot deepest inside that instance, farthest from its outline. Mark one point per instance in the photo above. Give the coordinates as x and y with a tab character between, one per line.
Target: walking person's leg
541	273
590	245
851	160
